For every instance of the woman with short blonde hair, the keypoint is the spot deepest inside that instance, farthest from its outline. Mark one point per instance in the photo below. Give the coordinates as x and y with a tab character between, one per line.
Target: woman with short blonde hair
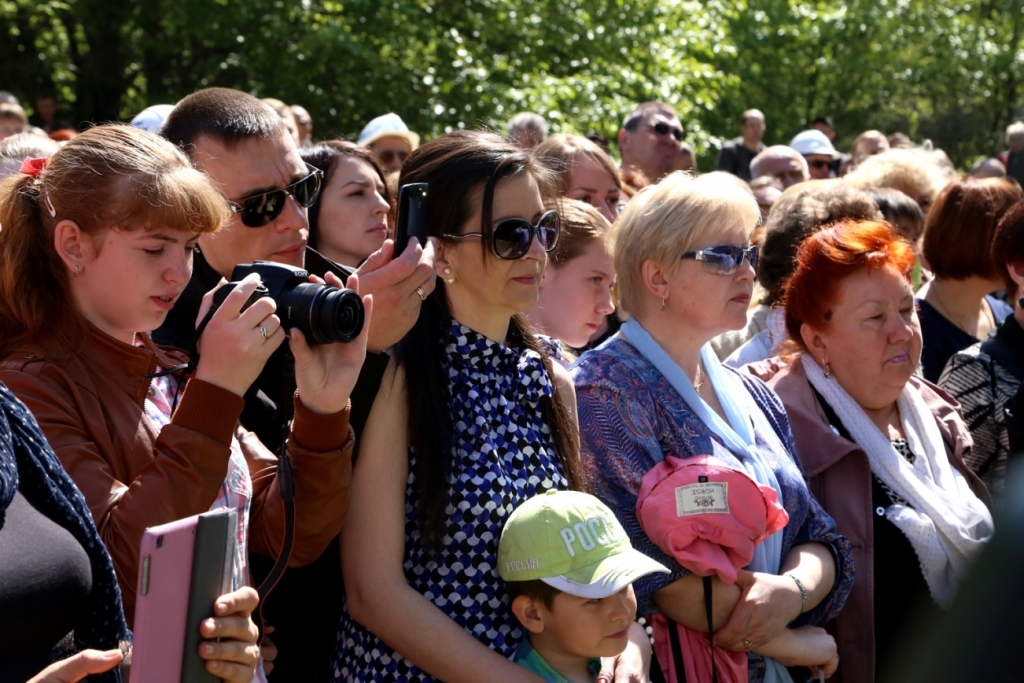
656	232
685	266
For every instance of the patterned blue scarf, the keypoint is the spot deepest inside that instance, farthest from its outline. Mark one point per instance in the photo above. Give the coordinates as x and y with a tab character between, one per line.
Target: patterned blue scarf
28	462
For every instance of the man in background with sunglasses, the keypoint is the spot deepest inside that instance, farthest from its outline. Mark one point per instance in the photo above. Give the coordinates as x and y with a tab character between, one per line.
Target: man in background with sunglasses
737	154
649	141
390	139
819	153
242	144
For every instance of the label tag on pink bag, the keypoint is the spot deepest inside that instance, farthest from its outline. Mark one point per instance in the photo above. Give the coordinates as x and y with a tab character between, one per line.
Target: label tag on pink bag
702	498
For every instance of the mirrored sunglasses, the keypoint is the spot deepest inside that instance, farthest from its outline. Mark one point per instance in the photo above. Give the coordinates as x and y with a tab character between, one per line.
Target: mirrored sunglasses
724	260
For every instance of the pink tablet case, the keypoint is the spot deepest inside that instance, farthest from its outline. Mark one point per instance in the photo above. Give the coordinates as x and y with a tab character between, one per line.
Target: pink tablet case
165	561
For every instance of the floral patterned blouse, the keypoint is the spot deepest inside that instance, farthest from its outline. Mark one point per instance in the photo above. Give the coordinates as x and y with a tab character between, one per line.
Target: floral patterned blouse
631	417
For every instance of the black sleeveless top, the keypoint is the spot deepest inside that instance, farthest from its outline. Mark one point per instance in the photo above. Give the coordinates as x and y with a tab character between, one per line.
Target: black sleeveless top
45	582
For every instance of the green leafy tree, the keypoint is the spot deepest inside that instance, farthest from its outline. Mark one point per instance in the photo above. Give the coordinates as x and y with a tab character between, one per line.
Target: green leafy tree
947	70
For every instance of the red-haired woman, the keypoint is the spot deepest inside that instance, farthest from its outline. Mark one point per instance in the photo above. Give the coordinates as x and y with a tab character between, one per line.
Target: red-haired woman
883	450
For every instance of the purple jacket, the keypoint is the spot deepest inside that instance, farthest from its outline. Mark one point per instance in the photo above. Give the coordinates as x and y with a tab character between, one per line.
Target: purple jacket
839	476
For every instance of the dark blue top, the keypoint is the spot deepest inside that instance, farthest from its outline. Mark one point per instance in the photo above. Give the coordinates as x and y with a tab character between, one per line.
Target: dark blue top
33	482
942	338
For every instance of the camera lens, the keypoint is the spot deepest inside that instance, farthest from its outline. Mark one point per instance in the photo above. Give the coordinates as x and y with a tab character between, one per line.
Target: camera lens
323	313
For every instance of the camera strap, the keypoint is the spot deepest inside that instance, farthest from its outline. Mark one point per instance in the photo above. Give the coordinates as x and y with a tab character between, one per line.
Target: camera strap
285	481
285	484
188	368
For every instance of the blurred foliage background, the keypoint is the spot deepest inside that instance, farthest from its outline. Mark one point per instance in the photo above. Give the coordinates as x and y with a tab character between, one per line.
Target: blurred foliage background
945	70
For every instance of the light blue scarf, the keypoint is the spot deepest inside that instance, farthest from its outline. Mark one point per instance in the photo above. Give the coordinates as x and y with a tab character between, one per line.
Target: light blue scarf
737	433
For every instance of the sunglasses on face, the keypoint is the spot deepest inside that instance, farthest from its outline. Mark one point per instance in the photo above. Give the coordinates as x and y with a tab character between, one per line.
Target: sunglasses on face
724	260
664	129
392	156
818	163
511	238
261	209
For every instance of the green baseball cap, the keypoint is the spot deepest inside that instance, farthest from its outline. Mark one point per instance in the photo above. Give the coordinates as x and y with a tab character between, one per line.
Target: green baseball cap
570	541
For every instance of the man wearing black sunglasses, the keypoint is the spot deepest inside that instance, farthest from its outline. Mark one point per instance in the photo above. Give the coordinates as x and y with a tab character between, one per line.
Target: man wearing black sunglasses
649	141
818	151
240	143
737	154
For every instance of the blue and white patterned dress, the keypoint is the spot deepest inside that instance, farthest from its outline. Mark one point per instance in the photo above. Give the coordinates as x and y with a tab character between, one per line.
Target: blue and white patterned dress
502	454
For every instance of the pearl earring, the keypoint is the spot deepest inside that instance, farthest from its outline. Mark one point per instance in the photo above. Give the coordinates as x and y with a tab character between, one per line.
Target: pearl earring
448	277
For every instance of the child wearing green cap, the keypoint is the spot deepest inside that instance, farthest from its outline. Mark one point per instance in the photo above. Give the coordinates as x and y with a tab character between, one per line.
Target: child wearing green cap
569	568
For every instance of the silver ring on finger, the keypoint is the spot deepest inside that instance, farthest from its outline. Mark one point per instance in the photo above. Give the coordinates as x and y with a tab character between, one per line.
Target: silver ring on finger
422	292
263	331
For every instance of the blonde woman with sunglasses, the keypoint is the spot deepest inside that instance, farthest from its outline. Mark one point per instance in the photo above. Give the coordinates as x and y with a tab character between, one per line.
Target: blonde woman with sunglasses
685	273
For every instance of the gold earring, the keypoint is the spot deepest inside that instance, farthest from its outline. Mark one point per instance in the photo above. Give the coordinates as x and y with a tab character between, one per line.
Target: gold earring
448	277
828	370
663	305
78	270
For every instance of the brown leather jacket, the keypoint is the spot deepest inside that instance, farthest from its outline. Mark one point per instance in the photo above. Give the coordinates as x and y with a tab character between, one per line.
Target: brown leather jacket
839	476
89	404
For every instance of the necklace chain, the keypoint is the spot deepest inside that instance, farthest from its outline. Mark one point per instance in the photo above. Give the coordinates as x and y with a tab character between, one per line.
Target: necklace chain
948	313
698	381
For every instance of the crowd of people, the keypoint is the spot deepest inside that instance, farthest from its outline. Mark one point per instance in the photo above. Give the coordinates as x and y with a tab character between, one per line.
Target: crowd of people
607	420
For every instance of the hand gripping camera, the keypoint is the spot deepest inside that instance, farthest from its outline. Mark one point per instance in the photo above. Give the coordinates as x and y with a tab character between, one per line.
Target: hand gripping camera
323	313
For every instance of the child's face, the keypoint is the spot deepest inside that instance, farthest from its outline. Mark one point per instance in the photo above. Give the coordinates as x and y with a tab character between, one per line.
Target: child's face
908	228
589	628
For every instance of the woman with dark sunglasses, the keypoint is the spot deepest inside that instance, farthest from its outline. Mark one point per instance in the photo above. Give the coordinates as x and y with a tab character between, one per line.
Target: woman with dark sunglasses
473	419
684	265
96	247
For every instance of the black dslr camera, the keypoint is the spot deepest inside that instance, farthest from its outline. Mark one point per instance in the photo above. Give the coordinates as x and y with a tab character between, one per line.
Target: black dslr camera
324	314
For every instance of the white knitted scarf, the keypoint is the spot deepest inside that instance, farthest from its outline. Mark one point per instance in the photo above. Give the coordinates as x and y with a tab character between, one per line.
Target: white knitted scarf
946	524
